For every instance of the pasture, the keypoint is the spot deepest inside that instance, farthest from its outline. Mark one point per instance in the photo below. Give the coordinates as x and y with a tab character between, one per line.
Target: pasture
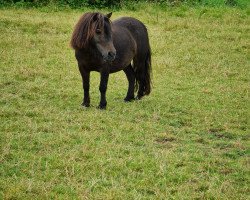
189	139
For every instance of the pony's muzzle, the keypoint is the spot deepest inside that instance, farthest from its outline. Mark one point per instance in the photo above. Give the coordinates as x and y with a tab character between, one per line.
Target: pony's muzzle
111	55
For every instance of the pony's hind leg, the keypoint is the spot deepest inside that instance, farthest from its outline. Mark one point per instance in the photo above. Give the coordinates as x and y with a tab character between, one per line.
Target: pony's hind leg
130	73
139	74
141	88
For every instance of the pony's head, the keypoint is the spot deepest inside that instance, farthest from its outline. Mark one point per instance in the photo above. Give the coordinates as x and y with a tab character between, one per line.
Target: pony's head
94	30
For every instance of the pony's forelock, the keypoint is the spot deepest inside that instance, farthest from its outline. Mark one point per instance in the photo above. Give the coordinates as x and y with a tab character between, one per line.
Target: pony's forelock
85	29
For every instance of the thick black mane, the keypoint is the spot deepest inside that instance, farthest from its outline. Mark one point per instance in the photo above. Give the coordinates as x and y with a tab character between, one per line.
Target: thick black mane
85	29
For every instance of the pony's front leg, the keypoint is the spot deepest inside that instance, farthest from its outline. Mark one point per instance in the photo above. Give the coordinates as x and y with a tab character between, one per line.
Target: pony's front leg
103	87
85	83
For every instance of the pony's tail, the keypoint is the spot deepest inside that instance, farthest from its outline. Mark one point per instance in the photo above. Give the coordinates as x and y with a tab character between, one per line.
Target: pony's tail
143	75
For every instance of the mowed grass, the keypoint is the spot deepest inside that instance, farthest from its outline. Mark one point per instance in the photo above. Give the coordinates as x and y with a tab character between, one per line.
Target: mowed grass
189	139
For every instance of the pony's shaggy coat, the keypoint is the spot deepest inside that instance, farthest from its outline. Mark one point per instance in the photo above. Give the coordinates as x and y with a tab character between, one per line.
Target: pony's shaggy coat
107	47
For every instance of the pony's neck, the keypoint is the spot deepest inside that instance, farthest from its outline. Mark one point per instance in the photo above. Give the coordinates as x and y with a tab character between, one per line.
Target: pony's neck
90	51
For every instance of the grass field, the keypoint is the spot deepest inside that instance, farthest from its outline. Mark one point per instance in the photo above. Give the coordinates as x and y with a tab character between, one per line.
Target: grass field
189	139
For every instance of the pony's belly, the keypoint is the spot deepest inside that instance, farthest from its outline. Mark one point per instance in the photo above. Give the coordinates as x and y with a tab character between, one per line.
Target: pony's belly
118	66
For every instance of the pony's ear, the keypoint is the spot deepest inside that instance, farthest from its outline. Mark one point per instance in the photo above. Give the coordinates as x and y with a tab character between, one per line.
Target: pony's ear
95	17
109	15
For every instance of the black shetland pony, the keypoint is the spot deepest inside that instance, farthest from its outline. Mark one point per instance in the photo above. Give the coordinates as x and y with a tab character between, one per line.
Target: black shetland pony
107	47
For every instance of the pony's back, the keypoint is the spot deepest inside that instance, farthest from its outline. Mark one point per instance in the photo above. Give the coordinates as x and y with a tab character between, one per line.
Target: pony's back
137	29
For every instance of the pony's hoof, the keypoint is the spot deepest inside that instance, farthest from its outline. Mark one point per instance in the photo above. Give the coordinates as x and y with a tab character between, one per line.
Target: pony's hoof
138	98
102	106
86	105
129	99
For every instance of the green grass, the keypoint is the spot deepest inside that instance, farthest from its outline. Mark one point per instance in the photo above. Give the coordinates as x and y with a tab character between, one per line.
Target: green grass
189	139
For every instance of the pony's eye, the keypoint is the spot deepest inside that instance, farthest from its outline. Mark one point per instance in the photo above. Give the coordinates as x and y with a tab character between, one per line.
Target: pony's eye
98	31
